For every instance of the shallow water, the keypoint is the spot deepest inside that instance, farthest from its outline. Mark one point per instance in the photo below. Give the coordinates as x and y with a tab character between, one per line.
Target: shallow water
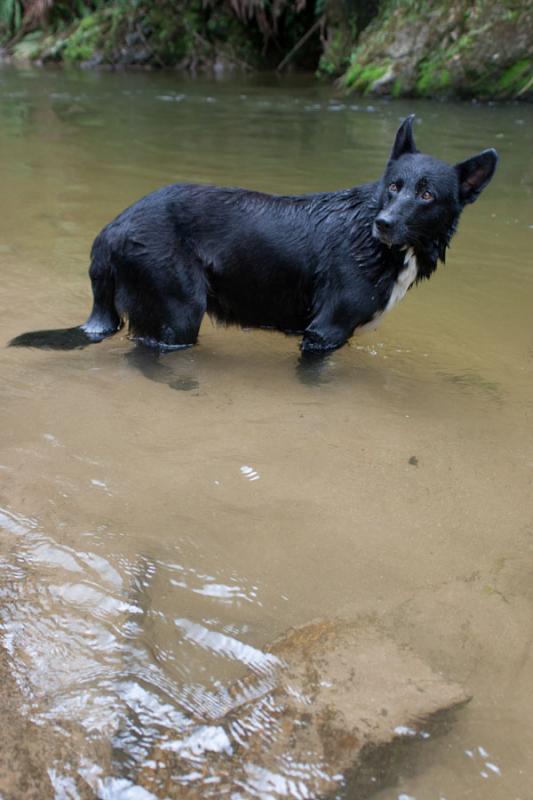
162	522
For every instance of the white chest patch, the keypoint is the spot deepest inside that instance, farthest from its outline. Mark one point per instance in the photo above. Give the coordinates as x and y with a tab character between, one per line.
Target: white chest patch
404	280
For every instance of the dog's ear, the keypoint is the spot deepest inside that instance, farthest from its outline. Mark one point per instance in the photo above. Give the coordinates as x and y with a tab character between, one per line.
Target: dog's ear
475	173
404	141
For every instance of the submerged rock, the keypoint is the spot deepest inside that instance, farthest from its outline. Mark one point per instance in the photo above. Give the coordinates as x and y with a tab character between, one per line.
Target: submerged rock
333	713
24	755
38	762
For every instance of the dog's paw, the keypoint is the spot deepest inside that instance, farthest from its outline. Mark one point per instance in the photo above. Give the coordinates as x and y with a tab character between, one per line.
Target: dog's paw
314	343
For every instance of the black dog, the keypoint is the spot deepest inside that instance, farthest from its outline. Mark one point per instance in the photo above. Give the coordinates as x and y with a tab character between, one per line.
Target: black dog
322	264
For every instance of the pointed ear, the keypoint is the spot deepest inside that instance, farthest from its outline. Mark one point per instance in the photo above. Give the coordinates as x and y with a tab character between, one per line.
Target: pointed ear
404	142
475	173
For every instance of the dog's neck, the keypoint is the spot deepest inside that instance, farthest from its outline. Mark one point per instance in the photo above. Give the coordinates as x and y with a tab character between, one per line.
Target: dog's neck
429	253
428	256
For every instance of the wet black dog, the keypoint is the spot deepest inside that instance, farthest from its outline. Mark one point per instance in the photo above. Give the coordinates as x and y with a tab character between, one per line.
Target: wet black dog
321	264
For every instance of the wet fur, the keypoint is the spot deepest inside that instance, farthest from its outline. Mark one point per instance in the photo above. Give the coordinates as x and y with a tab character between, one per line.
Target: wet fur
314	264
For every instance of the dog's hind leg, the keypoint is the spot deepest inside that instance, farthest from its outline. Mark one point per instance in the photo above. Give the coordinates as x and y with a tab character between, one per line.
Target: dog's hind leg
164	297
174	325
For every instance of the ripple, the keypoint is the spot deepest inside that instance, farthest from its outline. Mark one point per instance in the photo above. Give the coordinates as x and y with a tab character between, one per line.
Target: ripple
250	473
227	646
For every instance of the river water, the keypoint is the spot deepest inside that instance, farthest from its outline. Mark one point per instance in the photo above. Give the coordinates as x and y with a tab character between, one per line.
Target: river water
161	521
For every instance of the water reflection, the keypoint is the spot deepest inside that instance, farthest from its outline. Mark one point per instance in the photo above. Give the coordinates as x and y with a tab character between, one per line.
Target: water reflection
164	367
80	628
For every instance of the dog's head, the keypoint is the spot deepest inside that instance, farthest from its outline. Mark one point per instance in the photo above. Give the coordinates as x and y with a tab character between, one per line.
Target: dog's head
422	197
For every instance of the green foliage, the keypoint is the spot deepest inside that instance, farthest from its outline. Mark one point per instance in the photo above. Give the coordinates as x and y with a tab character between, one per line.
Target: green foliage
82	43
433	77
11	13
361	77
335	59
166	32
515	77
29	47
397	88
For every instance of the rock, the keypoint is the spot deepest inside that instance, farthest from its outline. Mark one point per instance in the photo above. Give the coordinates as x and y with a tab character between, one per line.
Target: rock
134	56
23	753
383	85
96	60
338	702
444	49
37	763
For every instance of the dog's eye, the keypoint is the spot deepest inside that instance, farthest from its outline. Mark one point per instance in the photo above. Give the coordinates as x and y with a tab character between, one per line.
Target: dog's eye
427	195
393	187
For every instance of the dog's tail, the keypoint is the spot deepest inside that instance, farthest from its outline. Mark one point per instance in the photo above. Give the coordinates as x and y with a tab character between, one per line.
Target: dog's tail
103	321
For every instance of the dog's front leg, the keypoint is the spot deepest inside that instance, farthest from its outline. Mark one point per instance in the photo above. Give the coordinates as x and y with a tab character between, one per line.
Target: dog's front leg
326	332
321	341
337	318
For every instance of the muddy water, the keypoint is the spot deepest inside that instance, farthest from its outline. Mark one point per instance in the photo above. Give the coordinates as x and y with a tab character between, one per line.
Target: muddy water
162	522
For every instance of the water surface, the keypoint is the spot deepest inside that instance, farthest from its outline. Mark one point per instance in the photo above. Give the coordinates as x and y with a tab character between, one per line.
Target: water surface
162	522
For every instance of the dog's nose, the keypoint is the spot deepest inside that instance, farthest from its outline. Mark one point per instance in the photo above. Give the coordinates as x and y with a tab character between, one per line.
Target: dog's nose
383	224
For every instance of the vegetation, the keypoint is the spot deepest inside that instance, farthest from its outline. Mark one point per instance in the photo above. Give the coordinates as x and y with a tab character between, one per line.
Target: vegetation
478	48
187	33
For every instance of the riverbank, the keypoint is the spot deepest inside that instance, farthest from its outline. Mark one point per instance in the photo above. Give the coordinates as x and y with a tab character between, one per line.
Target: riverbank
445	49
412	48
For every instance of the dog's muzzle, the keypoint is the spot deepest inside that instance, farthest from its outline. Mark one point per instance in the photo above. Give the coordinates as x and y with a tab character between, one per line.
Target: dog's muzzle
383	230
389	233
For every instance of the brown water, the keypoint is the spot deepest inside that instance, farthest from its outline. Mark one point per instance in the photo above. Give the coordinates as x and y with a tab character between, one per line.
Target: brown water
227	492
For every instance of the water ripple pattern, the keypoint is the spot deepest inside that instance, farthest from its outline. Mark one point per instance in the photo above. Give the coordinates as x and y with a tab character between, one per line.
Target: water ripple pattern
77	627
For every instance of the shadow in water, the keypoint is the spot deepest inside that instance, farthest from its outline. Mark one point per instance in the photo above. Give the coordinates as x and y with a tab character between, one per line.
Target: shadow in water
470	381
150	363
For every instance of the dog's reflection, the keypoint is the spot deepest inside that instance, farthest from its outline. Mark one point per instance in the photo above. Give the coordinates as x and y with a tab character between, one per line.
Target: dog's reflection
168	368
163	367
313	369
